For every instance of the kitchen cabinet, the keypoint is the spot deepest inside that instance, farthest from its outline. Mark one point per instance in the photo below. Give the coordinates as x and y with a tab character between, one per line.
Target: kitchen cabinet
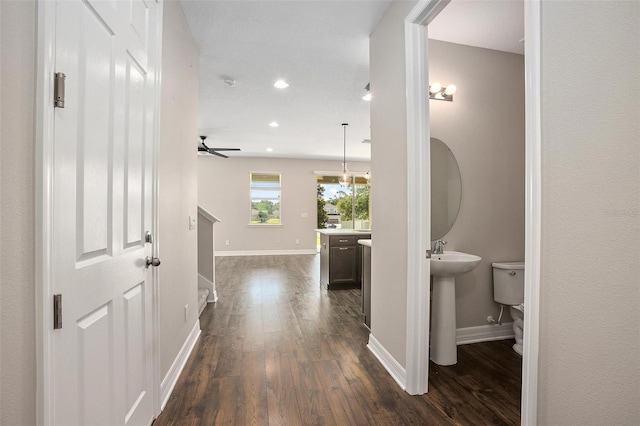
340	259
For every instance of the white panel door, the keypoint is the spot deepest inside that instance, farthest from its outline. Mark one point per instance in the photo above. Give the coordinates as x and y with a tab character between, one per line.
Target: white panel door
102	205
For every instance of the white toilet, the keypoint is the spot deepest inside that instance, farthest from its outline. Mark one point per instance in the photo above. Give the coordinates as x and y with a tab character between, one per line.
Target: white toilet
508	290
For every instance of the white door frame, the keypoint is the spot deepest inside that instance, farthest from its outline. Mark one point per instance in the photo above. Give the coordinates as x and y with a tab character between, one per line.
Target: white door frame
44	137
418	175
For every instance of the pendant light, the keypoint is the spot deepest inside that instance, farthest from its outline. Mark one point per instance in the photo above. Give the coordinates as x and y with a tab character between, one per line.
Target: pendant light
345	177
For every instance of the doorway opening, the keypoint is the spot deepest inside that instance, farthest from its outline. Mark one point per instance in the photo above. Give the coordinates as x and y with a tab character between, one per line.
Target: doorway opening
418	133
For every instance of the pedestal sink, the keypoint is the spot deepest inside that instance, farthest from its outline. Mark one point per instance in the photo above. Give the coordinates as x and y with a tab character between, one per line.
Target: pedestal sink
444	268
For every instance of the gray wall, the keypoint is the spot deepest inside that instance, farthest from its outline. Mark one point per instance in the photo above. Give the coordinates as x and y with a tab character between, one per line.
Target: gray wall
590	290
178	185
484	128
389	187
223	190
17	214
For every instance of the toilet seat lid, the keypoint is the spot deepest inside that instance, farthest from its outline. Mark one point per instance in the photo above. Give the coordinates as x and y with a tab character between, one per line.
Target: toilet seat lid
508	265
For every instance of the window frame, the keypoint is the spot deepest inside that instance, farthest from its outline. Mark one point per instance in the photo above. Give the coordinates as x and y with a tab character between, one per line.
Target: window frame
252	187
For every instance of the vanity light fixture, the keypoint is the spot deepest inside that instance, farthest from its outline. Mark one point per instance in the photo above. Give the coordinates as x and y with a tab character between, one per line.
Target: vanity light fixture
439	93
367	96
280	84
345	177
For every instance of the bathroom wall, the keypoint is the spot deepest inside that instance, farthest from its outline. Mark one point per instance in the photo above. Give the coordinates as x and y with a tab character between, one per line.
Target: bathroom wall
589	371
484	128
223	190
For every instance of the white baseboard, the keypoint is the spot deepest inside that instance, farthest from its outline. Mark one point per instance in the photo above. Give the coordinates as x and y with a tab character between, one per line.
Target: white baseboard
484	333
220	253
205	283
390	364
169	381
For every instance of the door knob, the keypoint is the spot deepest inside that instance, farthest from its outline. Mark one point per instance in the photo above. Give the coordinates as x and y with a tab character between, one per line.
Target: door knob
152	261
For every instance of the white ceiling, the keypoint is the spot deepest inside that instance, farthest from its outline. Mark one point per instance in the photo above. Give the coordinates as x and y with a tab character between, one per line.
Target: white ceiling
321	48
492	24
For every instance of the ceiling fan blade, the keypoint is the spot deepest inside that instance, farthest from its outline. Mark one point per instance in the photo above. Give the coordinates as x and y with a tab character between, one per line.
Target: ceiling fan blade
211	151
225	149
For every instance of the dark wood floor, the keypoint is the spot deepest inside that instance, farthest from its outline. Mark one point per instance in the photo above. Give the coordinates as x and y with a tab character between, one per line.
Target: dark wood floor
278	349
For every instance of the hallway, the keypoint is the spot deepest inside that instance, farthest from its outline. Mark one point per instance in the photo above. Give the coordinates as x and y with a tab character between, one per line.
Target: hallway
278	349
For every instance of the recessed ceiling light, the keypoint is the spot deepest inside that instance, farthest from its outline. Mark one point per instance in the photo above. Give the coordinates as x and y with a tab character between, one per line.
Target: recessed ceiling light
269	149
274	124
281	84
367	97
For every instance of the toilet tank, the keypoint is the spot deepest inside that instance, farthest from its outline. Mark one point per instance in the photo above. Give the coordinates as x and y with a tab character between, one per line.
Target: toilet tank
508	282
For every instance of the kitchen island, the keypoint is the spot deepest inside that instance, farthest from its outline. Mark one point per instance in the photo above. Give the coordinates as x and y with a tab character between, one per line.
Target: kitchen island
340	257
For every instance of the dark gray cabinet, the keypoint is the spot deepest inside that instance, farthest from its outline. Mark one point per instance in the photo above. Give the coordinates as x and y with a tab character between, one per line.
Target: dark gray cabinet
340	258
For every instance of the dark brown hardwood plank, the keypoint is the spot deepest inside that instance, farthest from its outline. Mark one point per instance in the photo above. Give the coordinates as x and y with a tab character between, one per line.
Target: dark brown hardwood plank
281	397
254	409
345	407
279	349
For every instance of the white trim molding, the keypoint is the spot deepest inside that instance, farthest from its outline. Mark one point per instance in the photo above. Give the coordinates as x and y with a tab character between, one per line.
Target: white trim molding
389	363
205	283
207	215
533	213
418	193
44	133
170	380
484	333
263	252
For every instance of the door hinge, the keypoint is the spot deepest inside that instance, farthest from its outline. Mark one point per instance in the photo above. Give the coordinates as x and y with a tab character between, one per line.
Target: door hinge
58	89
57	311
428	254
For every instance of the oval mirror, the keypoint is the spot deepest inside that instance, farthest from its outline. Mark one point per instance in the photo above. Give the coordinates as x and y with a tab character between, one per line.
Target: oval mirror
446	189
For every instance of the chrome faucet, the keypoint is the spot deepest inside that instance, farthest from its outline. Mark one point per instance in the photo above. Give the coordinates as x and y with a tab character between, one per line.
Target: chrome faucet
438	247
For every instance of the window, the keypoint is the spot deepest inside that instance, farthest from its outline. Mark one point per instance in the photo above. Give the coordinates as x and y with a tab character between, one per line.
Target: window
265	198
344	207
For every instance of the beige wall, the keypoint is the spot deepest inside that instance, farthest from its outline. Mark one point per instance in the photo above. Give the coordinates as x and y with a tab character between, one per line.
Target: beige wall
178	184
223	190
206	261
17	214
590	290
484	128
389	186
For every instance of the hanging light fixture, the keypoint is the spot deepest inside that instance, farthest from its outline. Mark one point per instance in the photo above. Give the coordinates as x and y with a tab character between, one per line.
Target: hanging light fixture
345	177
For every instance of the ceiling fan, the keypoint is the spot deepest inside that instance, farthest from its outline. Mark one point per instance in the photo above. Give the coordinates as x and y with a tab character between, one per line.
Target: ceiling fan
204	148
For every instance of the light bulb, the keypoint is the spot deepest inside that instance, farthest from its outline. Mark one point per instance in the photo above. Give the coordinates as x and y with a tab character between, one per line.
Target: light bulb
280	84
450	90
367	97
274	124
435	88
345	178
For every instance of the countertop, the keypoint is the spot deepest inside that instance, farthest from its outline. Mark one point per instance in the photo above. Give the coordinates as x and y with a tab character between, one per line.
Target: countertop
335	231
365	242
